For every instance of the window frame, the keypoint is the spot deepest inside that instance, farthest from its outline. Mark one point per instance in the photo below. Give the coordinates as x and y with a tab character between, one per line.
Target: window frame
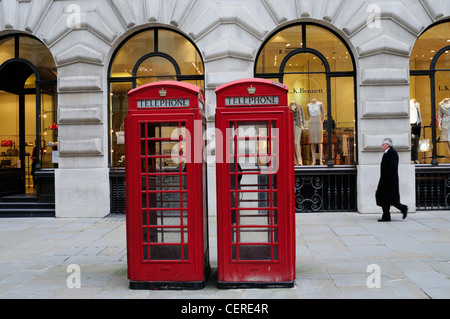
328	73
133	78
431	73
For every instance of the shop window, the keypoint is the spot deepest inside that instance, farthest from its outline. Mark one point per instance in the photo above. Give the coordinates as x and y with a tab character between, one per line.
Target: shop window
28	100
318	69
430	97
149	56
7	50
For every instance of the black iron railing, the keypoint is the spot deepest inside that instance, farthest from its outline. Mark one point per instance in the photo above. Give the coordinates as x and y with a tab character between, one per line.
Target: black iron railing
117	191
317	189
432	187
323	189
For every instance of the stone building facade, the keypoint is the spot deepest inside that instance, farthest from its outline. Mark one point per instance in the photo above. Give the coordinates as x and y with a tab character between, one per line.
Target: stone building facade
84	36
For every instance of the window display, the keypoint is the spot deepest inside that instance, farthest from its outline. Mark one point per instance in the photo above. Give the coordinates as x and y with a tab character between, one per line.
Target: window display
317	67
444	121
415	121
316	114
299	124
430	70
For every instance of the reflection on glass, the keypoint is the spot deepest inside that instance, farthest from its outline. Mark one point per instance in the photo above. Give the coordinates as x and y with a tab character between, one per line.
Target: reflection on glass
170	235
156	67
164	190
130	52
166	130
330	46
277	48
164	182
253	194
291	39
119	108
49	128
304	62
182	50
6	49
443	63
428	45
256	145
9	131
164	218
37	53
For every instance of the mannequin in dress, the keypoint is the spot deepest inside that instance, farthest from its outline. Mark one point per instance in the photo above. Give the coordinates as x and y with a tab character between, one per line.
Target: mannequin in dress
415	120
444	121
299	121
316	113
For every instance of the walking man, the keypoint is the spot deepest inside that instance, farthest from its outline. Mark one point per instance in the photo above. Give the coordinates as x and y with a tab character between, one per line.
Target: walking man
387	193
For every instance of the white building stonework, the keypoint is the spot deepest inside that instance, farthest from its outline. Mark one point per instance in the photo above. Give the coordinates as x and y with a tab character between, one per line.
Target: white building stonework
83	36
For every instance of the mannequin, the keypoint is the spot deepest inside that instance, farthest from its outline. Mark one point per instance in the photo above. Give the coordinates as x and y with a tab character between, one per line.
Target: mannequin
299	121
316	113
444	121
415	120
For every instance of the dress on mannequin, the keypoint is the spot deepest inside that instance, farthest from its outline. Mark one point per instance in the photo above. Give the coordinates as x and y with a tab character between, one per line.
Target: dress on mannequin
416	126
444	122
316	114
299	121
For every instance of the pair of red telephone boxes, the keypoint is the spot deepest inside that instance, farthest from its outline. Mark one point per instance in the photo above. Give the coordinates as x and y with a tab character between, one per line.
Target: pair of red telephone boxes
166	186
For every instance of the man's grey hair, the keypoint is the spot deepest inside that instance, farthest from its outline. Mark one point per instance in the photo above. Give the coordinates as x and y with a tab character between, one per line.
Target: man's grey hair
388	141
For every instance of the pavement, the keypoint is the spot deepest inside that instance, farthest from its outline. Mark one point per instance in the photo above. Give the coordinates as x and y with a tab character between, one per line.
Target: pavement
338	256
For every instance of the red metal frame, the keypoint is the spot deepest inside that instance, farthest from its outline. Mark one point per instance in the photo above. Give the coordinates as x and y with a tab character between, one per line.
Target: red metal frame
167	240
255	202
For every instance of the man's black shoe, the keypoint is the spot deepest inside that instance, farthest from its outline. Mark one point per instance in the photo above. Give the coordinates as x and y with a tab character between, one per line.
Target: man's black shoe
405	212
384	220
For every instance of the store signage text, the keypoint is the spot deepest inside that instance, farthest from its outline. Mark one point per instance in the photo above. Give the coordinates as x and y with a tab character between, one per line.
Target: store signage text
163	103
305	91
251	100
443	88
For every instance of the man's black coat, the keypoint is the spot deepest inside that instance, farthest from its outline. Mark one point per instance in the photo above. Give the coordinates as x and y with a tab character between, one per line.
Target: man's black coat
388	186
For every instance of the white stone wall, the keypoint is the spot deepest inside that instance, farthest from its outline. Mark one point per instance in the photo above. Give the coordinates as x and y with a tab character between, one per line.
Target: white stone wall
82	36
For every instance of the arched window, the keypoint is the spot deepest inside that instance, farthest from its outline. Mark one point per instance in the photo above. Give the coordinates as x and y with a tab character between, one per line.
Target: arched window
317	66
152	55
28	106
430	96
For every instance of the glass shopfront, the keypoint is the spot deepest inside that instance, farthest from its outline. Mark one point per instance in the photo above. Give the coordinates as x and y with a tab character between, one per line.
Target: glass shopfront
152	55
149	56
430	117
430	97
28	105
318	69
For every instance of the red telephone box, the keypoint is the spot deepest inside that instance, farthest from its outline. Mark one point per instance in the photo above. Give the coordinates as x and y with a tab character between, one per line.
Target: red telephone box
255	189
167	219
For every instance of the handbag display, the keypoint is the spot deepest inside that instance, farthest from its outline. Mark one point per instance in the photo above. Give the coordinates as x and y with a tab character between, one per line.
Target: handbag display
424	145
120	136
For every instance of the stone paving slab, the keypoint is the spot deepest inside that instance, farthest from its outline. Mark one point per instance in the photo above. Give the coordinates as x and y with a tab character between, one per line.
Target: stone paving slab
334	253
